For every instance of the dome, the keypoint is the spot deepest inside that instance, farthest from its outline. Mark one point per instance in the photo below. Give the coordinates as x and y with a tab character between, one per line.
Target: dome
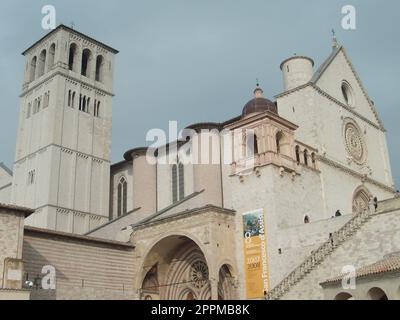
259	104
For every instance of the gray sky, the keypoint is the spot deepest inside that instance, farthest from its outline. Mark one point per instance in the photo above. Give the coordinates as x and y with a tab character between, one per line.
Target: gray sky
193	61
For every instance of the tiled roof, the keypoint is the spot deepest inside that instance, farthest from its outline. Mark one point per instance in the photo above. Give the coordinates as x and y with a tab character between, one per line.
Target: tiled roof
390	263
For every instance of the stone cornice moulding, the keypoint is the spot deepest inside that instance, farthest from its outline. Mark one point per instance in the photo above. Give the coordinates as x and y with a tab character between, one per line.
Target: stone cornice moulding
361	176
337	102
68	77
67	210
208	209
62	149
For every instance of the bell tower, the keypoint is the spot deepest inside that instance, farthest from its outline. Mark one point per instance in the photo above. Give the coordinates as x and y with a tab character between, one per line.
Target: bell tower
62	164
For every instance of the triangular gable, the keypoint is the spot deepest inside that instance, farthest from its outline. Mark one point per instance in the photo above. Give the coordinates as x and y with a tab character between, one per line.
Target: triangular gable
318	80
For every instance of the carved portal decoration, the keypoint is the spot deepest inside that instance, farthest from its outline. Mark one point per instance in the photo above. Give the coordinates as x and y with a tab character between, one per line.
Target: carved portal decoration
199	274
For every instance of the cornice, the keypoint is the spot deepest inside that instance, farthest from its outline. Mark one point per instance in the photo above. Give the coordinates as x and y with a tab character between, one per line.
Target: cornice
69	77
356	174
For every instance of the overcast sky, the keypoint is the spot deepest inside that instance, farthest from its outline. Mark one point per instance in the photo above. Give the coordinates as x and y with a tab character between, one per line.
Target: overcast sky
197	60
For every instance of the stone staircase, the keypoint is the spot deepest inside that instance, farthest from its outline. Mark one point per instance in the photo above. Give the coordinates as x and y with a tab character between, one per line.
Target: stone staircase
318	256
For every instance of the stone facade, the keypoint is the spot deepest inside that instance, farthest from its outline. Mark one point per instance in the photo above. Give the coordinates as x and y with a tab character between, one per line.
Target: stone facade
313	161
5	184
378	237
86	268
11	263
62	165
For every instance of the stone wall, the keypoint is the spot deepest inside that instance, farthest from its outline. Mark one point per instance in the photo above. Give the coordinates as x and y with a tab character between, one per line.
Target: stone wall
86	268
380	236
11	265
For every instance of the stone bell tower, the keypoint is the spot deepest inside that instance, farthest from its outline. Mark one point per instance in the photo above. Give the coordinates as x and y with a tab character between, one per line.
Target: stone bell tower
62	164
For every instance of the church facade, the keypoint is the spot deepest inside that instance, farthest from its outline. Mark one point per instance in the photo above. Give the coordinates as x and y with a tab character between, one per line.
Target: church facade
305	175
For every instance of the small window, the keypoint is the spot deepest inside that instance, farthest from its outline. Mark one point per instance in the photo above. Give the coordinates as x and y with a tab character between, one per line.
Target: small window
313	160
298	154
278	139
251	144
347	93
31	177
52	53
86	59
80	102
73	100
122	197
306	157
88	105
69	98
32	74
42	63
72	57
306	219
99	68
174	183
28	111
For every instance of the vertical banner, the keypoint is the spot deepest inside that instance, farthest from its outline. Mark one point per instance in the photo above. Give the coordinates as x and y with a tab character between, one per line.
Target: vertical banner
255	254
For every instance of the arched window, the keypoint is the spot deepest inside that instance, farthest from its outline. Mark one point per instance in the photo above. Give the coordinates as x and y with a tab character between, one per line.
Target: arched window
313	160
69	98
181	181
344	296
52	53
88	105
28	111
98	109
255	148
298	154
178	182
32	74
306	157
42	63
38	104
84	104
80	102
377	294
99	68
46	100
34	106
278	139
347	93
73	100
122	197
252	144
306	219
174	183
86	57
73	50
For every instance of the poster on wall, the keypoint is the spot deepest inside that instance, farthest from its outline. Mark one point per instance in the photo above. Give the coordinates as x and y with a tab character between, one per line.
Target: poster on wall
255	254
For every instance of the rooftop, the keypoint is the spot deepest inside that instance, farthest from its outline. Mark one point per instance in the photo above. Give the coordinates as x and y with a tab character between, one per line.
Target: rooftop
64	27
390	263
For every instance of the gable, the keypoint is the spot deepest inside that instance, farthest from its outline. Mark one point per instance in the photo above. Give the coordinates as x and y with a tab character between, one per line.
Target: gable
335	71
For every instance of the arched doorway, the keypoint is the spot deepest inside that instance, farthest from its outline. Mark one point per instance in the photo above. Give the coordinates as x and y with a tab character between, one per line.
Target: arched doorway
361	199
344	296
225	283
150	285
182	271
377	294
